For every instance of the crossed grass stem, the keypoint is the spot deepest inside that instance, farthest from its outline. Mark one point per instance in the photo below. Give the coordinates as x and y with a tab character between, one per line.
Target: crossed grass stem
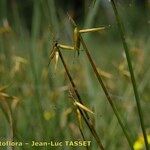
106	92
83	137
83	113
80	39
126	49
78	116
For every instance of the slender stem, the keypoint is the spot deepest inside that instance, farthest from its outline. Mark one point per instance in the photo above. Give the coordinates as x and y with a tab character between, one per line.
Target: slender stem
83	137
92	30
65	47
85	117
34	34
106	93
72	82
123	37
80	129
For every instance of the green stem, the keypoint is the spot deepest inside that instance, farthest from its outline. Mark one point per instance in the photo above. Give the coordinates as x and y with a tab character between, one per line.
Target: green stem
122	34
81	131
83	138
106	93
32	57
83	113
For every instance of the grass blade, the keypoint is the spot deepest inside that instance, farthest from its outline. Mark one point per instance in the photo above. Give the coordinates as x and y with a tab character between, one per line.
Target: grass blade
106	93
83	113
83	107
123	38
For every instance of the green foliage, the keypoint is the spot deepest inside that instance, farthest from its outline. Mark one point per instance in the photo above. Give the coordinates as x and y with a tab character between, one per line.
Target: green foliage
43	110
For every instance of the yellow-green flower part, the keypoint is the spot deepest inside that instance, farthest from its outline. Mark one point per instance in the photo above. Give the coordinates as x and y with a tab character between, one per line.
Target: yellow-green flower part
48	115
139	143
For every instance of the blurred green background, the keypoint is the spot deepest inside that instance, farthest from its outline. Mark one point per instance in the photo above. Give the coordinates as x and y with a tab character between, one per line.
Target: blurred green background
42	109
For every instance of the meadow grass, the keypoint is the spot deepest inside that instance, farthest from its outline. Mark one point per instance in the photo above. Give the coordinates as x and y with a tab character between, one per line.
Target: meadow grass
41	112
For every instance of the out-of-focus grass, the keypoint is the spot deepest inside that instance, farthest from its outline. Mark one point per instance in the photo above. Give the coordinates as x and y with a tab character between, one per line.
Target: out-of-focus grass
42	91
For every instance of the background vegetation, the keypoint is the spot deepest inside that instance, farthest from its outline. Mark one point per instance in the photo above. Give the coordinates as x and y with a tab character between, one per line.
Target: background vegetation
36	101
